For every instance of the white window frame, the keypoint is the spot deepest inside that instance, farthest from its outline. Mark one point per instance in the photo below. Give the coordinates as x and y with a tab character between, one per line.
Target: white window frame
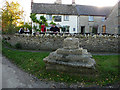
66	17
49	17
91	18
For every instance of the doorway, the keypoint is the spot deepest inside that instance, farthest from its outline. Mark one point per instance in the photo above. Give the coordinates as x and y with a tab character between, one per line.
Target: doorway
82	29
95	29
104	29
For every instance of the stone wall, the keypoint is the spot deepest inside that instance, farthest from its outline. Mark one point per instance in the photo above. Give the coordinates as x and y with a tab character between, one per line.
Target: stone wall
52	42
84	21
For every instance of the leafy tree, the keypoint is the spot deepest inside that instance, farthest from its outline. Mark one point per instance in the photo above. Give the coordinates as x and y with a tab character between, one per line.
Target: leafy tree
53	18
0	22
41	21
52	23
26	25
11	13
35	27
33	17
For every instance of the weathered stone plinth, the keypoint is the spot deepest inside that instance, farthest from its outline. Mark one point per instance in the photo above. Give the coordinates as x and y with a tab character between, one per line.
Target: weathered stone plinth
70	58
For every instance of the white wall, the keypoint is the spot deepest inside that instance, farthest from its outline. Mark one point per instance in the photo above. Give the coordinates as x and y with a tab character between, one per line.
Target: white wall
72	22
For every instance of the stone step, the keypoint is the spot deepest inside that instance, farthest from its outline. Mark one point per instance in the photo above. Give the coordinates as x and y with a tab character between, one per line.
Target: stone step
69	69
70	57
90	64
69	51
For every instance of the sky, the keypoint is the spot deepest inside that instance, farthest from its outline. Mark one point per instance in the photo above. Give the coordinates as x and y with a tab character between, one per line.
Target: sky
26	4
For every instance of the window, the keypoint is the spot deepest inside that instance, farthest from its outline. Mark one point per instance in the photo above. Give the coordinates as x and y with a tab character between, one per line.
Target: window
73	29
103	19
66	18
49	17
91	18
57	19
65	29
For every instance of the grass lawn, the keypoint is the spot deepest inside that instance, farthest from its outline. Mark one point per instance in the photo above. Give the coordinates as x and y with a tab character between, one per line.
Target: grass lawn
32	62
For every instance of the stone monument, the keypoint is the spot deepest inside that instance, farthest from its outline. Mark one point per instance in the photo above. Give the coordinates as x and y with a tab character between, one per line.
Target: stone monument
71	58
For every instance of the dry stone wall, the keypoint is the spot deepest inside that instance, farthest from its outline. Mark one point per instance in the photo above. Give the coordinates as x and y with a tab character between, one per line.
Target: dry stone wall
53	42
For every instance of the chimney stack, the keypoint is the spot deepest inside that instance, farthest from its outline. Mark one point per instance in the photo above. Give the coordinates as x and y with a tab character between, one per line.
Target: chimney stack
31	4
73	2
58	1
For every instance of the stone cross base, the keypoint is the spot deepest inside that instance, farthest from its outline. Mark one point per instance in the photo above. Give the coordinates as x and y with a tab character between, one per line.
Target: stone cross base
71	58
69	69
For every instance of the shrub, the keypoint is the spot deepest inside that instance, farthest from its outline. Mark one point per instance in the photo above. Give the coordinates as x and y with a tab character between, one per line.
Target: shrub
9	29
52	23
4	42
18	45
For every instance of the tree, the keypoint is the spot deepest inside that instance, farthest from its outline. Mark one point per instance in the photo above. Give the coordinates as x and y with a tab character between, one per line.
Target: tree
11	13
52	23
53	18
41	21
0	22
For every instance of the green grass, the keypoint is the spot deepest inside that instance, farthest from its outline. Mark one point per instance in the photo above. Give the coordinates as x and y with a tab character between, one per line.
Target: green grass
32	62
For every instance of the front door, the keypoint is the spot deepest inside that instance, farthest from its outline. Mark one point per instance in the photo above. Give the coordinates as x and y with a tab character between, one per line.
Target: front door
104	29
95	30
82	29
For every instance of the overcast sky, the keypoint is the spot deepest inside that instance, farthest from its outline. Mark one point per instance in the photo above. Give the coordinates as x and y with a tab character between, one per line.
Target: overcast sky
27	3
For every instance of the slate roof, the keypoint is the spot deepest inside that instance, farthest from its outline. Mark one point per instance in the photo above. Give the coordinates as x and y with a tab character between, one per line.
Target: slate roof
63	9
92	10
45	8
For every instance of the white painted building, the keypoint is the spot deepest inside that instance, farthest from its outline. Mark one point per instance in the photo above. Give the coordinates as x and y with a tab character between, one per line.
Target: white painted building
65	15
65	20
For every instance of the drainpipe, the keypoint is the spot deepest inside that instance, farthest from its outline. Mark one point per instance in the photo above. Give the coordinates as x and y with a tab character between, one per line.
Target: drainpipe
78	24
31	12
31	5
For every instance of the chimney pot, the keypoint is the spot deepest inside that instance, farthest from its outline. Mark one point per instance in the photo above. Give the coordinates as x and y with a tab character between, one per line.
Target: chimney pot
58	2
73	1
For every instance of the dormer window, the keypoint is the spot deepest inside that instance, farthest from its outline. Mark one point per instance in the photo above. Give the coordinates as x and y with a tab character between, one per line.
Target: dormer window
91	18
